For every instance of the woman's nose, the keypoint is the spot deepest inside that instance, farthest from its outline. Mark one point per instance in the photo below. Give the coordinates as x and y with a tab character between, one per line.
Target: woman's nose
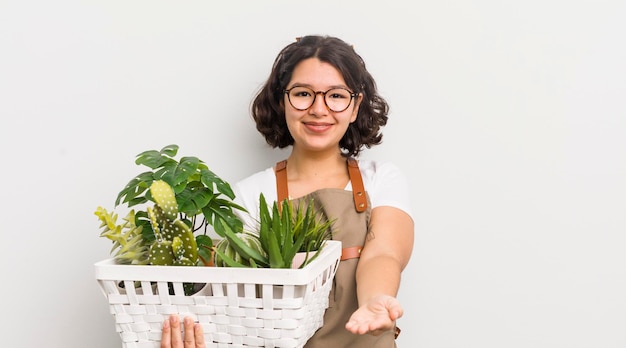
319	107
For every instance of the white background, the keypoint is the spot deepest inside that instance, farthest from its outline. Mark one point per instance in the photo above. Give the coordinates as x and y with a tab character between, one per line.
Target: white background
509	117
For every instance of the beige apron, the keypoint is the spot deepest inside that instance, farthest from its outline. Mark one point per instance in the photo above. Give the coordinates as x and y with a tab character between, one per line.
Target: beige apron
351	212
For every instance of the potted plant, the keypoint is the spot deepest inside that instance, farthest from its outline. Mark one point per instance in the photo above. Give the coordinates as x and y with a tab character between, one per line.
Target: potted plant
284	232
187	198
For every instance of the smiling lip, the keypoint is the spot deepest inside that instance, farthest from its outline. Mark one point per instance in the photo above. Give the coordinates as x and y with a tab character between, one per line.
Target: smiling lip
317	127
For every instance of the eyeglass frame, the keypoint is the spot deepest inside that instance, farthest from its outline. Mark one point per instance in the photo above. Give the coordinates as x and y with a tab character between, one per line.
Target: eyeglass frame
315	93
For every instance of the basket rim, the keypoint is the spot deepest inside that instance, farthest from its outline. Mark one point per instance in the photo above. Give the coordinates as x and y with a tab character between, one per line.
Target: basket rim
107	269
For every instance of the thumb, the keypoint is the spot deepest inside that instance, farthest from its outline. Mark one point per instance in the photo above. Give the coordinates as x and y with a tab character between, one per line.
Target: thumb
394	308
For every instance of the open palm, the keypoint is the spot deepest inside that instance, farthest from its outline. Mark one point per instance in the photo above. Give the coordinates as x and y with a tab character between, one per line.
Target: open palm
376	316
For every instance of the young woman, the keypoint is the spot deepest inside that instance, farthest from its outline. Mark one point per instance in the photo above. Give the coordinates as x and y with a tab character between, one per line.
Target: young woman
321	100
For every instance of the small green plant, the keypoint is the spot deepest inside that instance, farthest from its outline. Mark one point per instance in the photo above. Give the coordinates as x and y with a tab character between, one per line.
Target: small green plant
282	234
226	254
129	245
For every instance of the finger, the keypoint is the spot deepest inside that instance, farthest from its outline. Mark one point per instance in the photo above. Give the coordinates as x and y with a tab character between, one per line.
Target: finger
166	335
372	328
177	340
189	340
350	326
199	334
357	327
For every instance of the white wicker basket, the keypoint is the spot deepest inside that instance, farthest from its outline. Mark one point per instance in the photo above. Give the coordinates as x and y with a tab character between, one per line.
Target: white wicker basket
237	307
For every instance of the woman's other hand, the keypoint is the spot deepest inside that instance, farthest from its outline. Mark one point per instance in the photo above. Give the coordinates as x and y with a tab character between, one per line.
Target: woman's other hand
171	337
376	316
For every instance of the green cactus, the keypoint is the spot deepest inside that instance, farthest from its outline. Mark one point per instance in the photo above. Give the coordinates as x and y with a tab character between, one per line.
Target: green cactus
164	197
175	242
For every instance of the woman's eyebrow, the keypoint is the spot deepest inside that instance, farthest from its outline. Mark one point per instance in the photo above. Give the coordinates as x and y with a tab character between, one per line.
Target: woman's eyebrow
298	84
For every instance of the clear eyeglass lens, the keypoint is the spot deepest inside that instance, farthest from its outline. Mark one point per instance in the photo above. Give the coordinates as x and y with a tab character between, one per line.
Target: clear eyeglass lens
337	99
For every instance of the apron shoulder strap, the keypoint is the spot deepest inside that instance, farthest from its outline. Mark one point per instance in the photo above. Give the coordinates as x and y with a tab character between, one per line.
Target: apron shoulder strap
358	189
282	190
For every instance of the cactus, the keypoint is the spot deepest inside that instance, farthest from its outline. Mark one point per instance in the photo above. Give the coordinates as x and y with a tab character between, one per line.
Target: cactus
175	242
164	197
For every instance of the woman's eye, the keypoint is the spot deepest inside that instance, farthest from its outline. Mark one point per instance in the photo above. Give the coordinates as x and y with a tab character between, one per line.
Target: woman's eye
337	96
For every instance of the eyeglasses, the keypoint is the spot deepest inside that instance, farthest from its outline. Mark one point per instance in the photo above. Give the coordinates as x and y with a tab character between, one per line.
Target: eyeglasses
336	99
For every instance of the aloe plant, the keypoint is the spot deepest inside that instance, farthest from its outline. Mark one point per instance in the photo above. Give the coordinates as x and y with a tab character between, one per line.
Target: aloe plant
282	233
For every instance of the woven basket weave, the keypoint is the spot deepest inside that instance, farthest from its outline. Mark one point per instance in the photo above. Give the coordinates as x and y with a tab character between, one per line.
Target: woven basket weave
237	307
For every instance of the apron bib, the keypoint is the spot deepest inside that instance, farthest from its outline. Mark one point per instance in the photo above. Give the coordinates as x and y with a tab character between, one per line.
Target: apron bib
351	213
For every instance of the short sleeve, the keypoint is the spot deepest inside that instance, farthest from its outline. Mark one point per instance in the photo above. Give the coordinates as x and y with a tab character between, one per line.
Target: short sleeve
386	185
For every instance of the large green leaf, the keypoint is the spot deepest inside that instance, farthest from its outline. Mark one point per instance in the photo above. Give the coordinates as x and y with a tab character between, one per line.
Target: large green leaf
191	202
166	172
220	216
134	188
205	245
151	159
187	166
209	179
154	159
170	150
227	204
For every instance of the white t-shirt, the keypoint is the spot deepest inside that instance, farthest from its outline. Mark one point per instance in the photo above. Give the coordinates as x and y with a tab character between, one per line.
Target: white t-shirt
384	183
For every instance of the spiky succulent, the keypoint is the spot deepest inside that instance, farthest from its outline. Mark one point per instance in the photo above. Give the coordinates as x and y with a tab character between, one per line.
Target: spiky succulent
283	232
129	245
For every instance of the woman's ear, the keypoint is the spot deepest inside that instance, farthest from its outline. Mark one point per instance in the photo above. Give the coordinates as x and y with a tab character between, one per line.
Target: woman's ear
355	110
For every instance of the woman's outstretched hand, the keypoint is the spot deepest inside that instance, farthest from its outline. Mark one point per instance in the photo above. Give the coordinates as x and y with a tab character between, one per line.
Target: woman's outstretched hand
171	337
376	316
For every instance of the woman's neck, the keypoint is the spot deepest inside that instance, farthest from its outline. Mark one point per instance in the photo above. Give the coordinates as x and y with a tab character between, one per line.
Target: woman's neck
309	172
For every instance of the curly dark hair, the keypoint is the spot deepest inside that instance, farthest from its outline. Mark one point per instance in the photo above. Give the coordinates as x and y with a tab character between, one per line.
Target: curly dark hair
268	109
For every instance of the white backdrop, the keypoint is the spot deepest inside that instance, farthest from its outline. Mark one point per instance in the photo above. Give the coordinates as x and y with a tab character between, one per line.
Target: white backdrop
509	118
